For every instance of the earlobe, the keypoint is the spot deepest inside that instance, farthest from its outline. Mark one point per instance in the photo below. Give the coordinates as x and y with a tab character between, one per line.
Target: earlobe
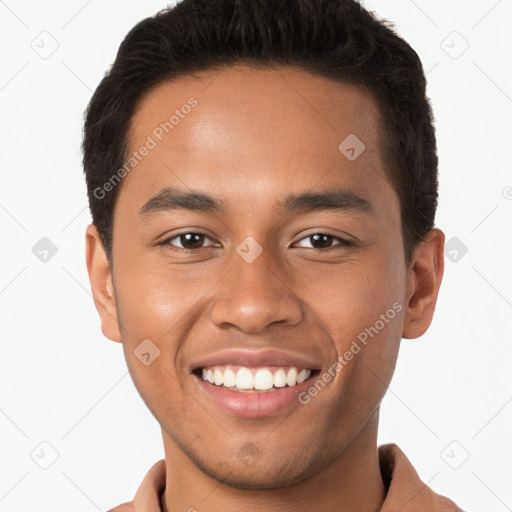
100	277
424	280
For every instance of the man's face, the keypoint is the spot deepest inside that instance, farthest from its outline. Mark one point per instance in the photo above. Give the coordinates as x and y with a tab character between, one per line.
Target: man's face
293	282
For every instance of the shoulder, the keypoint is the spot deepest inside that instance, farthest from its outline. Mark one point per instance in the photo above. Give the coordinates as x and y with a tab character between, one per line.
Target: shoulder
406	492
148	494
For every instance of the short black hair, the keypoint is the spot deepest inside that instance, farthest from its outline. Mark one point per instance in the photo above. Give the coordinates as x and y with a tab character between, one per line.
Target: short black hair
338	39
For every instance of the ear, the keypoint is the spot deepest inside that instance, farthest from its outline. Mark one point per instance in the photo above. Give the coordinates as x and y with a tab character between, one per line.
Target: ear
100	276
424	279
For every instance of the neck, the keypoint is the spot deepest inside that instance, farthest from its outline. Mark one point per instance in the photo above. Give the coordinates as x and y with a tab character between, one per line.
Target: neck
351	483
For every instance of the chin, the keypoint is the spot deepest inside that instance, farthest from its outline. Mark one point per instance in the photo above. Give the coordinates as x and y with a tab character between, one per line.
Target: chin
260	475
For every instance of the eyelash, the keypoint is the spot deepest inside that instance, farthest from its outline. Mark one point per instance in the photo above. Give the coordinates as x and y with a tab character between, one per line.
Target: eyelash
343	241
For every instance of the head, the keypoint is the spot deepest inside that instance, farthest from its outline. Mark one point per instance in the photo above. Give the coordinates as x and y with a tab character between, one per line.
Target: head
263	178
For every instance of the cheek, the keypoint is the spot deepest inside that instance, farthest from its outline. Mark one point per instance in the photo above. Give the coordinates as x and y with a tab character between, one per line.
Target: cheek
154	321
360	305
158	385
145	312
153	300
353	296
370	339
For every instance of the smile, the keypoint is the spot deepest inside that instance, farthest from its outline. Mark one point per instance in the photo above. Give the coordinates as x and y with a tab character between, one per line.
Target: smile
263	379
253	384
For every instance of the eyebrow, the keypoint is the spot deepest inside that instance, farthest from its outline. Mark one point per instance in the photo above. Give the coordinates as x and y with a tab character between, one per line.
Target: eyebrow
176	199
329	199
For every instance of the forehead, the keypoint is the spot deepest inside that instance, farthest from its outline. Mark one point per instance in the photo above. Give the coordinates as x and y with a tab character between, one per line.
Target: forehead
256	131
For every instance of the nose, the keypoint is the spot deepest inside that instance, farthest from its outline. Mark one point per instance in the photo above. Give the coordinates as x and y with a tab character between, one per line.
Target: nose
253	296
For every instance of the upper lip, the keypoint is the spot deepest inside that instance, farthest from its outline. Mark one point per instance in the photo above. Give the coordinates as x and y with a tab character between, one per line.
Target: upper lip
255	358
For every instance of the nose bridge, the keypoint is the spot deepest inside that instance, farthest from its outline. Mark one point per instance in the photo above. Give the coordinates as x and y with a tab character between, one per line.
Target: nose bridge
254	294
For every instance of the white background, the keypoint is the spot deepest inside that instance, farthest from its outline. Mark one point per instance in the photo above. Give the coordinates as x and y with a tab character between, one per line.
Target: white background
63	383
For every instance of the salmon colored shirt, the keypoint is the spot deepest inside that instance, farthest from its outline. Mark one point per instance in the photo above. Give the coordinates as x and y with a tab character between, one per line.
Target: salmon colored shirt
406	492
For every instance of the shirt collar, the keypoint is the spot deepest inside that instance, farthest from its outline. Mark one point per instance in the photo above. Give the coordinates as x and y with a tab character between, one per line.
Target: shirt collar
406	492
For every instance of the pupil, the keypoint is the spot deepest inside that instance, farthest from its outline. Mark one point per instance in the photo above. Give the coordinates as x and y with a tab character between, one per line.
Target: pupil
192	240
326	240
196	240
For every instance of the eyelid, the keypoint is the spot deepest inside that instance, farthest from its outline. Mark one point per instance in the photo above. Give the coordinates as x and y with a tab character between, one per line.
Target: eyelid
345	242
166	240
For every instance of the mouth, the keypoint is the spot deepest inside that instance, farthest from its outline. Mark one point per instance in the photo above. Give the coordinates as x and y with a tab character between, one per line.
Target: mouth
253	392
242	379
253	384
265	379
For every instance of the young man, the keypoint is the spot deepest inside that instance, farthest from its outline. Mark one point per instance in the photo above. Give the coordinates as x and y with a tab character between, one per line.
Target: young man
262	177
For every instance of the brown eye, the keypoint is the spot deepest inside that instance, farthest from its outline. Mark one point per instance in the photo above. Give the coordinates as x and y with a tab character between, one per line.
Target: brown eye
191	240
324	241
321	241
188	241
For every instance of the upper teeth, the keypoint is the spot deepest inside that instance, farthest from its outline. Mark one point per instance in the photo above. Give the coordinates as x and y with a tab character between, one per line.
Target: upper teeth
255	378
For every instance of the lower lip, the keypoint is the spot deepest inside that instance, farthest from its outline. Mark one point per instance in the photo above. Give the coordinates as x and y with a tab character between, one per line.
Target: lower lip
257	404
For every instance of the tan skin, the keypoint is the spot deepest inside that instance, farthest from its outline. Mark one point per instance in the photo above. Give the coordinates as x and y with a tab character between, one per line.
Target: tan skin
254	137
